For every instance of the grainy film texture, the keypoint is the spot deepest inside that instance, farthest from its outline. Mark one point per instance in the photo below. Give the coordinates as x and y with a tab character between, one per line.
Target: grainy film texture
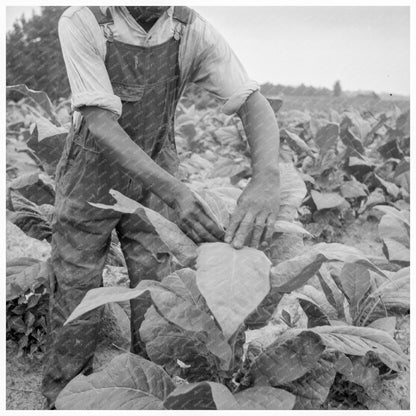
195	225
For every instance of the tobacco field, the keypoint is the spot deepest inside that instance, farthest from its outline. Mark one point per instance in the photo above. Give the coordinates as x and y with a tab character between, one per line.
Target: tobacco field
317	319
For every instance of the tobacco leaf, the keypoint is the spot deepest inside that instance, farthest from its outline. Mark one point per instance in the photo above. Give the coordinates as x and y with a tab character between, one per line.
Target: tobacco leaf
392	228
28	217
37	98
387	324
395	251
292	274
182	247
225	276
27	278
290	228
327	200
316	316
353	189
167	343
201	396
36	187
312	389
327	136
264	312
359	341
129	382
355	281
288	358
175	308
265	398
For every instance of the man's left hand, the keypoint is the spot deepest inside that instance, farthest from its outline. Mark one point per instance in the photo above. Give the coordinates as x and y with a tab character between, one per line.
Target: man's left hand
255	214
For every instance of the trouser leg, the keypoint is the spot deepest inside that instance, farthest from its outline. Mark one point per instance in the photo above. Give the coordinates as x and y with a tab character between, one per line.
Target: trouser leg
79	247
147	257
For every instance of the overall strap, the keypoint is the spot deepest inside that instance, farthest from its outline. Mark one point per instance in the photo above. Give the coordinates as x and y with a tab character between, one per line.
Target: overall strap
184	14
104	20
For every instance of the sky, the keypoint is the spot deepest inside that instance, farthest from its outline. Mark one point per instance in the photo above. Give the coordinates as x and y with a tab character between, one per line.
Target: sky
366	48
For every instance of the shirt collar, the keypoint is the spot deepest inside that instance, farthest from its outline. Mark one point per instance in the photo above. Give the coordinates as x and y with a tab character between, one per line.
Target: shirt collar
105	8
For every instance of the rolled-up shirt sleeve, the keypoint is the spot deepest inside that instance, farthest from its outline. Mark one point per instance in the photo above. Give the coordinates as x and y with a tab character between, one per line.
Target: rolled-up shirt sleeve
87	74
217	68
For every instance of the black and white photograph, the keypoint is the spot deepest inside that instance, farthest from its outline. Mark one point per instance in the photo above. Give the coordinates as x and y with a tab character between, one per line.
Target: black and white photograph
207	206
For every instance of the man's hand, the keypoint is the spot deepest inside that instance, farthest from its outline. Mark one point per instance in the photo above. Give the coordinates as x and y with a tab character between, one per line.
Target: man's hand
256	212
258	205
193	219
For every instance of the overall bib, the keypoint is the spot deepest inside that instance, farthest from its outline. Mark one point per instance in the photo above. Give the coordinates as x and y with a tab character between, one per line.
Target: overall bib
147	81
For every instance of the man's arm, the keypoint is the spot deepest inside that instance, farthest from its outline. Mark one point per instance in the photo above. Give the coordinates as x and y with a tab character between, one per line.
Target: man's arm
258	205
123	152
216	68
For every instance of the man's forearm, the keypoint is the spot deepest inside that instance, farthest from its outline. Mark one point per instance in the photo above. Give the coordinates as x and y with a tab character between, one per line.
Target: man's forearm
262	132
121	150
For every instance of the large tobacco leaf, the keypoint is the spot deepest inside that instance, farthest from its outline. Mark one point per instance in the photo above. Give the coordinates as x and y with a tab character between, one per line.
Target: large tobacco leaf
399	215
175	308
327	200
359	341
288	358
36	187
225	277
312	389
37	98
362	372
355	282
189	287
318	297
295	142
27	277
327	137
394	229
129	382
316	316
263	313
386	324
167	343
332	292
349	138
292	191
292	274
29	217
396	252
389	187
184	284
182	247
18	264
180	352
395	294
265	398
391	227
297	350
47	141
204	395
290	228
215	207
353	189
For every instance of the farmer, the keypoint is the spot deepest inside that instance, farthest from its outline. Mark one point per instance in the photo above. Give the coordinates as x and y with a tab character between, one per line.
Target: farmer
127	68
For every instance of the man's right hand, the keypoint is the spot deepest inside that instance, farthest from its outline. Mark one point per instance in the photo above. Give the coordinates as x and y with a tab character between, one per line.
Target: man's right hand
193	219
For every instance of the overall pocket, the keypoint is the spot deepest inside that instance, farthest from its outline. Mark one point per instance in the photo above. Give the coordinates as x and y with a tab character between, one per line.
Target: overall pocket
79	169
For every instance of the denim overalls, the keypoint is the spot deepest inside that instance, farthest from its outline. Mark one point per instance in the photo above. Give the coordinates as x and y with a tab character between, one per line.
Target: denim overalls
147	81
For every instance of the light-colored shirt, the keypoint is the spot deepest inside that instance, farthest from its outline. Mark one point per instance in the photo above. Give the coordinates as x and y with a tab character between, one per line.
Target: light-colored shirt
205	58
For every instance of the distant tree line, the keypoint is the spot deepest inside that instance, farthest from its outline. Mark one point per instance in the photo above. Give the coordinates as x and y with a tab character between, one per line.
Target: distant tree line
33	54
300	90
